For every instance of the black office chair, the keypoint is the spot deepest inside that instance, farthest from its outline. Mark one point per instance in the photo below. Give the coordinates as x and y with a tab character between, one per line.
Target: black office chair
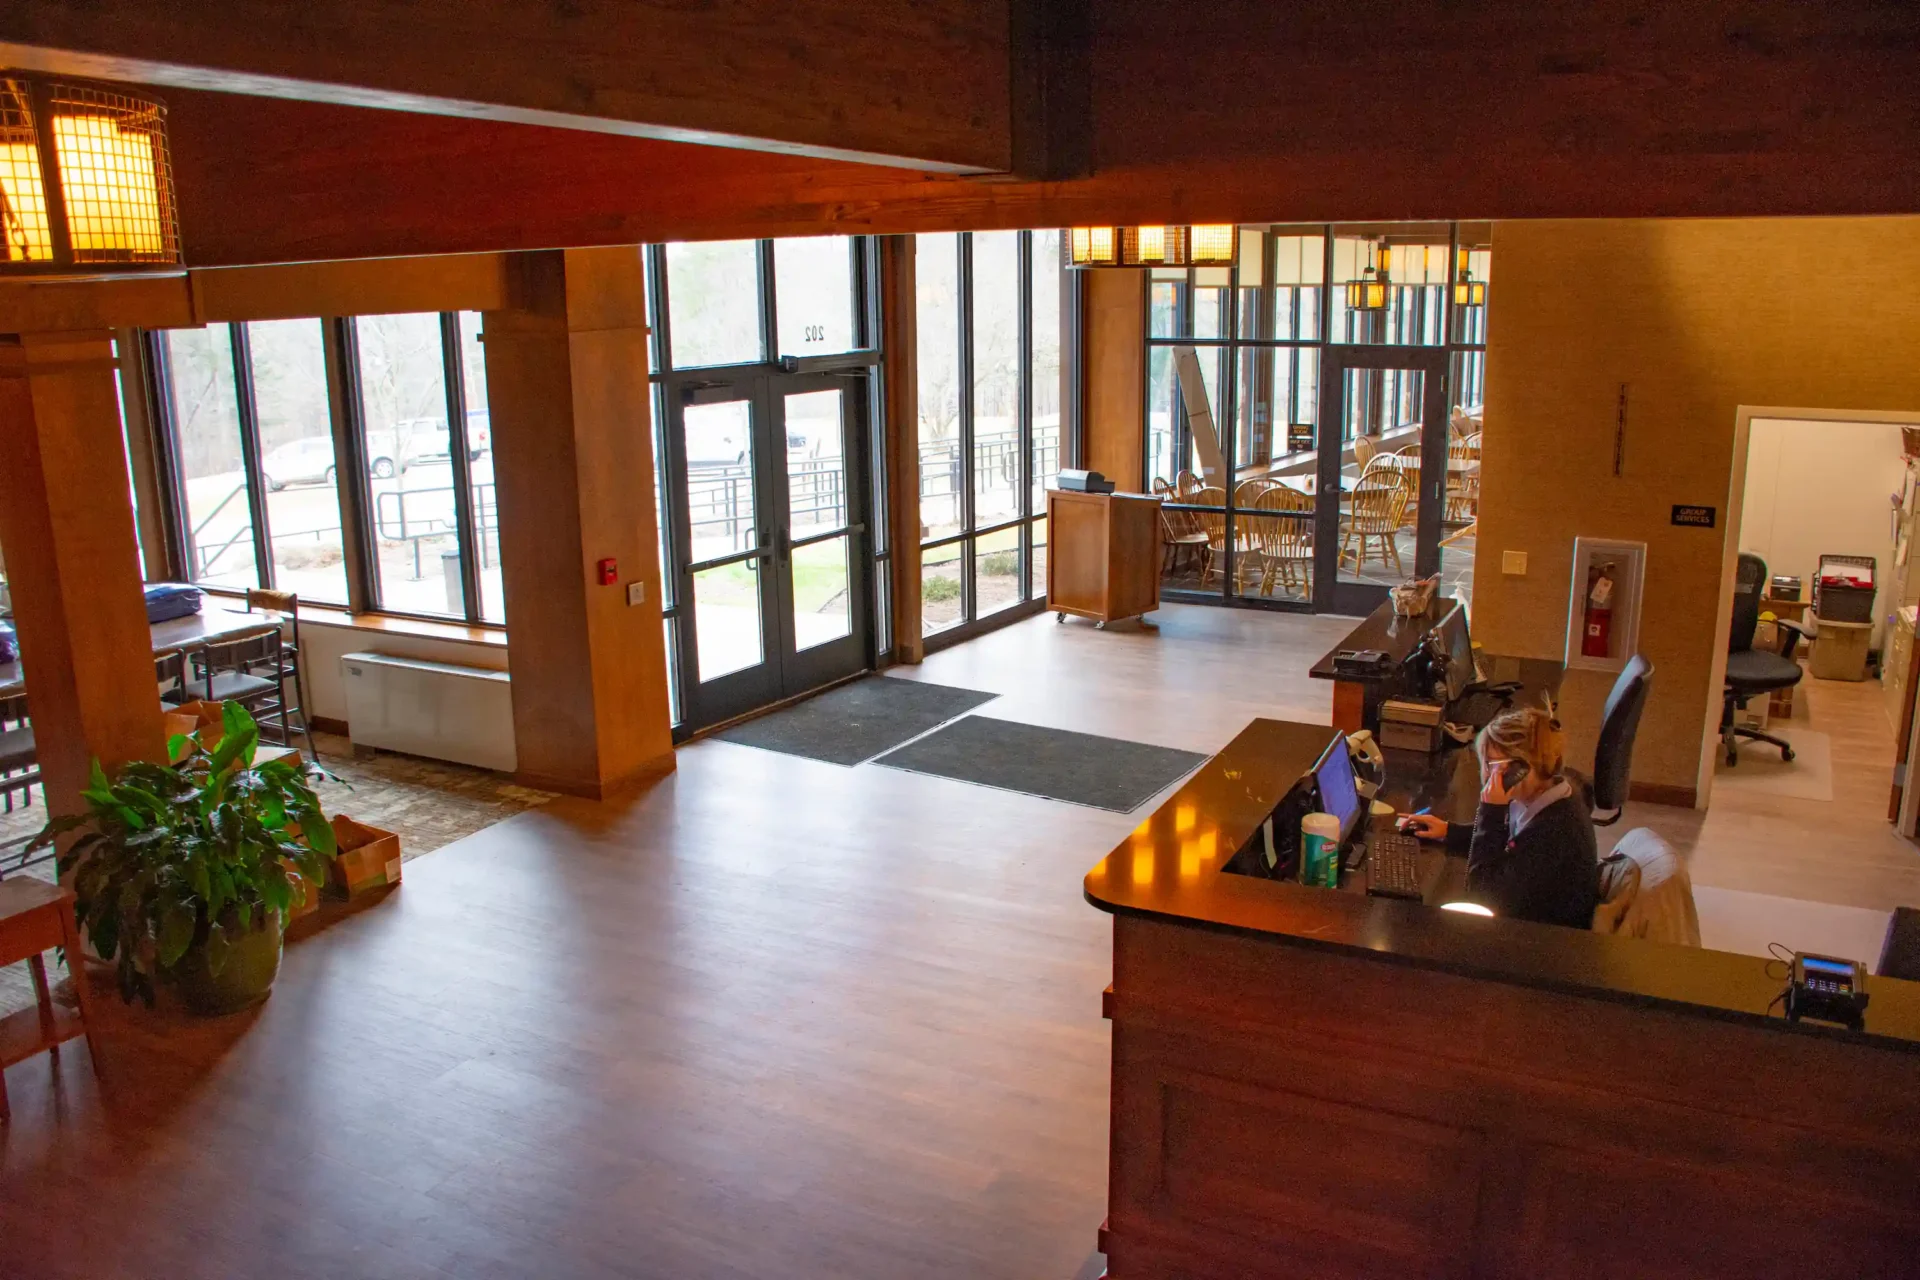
1613	755
1752	672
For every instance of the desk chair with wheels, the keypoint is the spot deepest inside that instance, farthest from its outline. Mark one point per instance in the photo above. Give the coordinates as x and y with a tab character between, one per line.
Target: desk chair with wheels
1751	672
1619	724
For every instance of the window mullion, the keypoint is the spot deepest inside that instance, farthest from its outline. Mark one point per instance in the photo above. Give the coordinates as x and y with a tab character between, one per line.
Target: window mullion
250	452
963	244
466	533
1023	413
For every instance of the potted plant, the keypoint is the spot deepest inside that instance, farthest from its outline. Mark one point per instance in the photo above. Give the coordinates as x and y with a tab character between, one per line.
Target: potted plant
187	869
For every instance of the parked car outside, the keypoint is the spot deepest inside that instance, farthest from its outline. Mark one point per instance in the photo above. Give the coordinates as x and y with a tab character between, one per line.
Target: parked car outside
308	461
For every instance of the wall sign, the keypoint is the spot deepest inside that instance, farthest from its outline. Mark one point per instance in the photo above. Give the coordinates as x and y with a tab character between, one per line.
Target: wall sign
1696	517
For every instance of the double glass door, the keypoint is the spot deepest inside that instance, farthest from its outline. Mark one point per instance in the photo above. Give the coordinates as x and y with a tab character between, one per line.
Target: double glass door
1391	485
767	476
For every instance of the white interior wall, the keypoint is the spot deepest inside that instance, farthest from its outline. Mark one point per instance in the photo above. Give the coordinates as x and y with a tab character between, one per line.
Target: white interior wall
1816	488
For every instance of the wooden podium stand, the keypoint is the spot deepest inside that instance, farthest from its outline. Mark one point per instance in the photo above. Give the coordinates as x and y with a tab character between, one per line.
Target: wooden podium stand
1103	555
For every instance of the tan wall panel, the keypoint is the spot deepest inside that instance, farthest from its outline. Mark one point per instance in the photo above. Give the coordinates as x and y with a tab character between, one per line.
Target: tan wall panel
1698	318
1116	370
454	282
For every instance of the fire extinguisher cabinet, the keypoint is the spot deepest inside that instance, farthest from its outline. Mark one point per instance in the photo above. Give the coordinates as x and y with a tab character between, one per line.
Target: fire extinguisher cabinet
1603	617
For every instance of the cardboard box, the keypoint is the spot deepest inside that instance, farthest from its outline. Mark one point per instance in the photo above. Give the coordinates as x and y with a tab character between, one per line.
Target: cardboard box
369	858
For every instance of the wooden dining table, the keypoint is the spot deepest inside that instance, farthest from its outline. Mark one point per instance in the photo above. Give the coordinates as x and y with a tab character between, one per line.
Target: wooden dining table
214	624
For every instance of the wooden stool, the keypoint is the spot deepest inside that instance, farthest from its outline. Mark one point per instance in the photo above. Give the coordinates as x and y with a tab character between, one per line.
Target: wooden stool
34	917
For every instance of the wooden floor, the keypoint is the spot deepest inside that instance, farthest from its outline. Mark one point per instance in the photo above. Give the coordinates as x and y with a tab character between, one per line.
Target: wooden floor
774	1018
1841	851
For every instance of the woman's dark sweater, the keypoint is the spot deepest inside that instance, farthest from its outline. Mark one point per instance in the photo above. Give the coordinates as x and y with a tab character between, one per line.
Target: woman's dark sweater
1549	873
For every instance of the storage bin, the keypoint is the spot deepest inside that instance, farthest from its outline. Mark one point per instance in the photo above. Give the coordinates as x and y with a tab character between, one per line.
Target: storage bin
1844	588
1840	650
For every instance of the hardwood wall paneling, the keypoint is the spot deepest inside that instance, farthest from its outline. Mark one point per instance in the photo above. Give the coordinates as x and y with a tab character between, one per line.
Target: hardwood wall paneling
62	306
567	389
1351	1191
1116	358
1518	109
1696	318
612	413
72	565
271	183
1508	1131
899	318
926	82
1581	1202
452	282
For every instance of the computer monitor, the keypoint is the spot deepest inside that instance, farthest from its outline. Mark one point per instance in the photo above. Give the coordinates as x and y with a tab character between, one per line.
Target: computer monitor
1457	643
1338	794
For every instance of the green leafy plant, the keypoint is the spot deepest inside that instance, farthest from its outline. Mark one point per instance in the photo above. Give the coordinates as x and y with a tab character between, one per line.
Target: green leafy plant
1000	564
189	855
940	589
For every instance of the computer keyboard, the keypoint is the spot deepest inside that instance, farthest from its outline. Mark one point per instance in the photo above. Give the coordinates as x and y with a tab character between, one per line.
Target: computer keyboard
1393	869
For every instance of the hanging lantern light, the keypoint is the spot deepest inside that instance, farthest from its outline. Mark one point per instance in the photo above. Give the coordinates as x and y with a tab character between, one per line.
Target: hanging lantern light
1468	292
1151	246
1369	292
86	182
1215	244
1092	246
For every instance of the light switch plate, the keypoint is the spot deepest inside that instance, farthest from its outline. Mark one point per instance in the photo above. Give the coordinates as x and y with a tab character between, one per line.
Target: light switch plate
1514	563
637	592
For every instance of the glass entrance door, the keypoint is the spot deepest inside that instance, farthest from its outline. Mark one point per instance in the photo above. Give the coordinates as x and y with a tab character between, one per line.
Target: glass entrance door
767	481
1384	477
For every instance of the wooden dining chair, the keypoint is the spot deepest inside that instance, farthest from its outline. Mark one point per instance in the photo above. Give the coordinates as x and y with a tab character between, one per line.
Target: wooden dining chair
1379	509
1213	524
1179	533
1364	449
1185	485
19	756
1280	529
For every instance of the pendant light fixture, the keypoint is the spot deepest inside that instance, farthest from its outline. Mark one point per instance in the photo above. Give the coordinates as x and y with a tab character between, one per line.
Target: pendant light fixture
86	182
1093	246
1468	292
1207	245
1369	292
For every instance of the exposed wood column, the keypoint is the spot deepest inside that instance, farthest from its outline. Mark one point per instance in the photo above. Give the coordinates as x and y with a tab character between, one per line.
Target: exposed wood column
1116	349
72	564
900	322
570	402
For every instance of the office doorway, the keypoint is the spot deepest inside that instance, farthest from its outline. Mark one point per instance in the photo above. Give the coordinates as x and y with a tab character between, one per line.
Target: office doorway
767	483
1388	514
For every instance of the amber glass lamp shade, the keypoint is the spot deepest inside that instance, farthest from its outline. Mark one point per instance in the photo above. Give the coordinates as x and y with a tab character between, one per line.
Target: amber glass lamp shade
86	180
1092	246
1154	247
1215	244
1369	292
1468	292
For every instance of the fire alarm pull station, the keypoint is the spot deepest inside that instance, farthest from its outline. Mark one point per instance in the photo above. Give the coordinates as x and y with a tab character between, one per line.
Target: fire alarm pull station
609	572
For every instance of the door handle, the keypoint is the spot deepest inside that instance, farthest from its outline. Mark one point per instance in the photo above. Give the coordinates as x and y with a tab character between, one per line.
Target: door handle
783	545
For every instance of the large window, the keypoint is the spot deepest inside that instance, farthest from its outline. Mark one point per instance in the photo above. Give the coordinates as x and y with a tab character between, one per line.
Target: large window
989	322
765	419
1234	392
250	413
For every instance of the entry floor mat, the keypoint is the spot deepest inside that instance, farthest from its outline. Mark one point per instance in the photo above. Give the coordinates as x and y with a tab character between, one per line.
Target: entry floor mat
1078	768
857	721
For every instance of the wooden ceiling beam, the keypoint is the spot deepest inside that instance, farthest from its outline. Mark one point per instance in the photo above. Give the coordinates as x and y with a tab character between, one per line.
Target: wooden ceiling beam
924	85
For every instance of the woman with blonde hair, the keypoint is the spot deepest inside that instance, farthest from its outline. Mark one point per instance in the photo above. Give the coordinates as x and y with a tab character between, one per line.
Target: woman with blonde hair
1530	852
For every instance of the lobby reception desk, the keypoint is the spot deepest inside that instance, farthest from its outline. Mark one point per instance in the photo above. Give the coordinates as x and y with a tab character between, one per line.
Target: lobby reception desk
1310	1083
